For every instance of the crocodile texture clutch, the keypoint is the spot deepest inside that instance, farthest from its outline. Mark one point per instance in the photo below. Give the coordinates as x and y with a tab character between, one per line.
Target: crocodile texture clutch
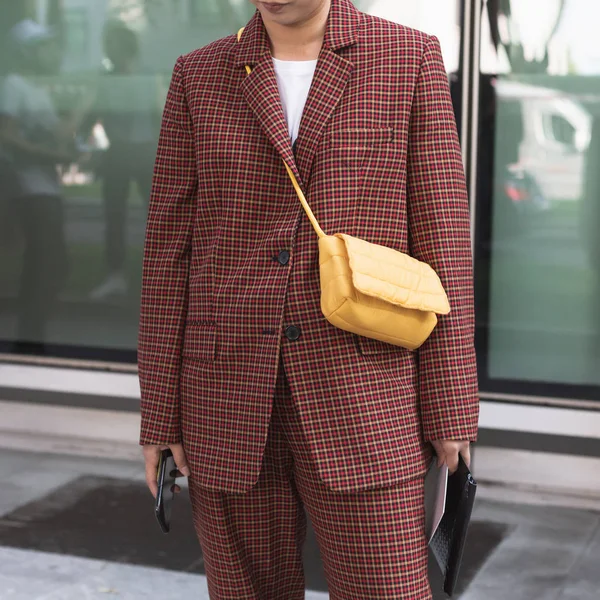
448	542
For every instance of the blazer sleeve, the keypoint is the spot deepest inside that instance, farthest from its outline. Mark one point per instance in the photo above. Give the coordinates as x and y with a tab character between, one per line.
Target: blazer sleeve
439	233
167	253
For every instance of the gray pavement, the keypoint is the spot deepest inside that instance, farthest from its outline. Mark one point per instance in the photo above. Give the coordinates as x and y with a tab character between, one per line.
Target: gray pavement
545	553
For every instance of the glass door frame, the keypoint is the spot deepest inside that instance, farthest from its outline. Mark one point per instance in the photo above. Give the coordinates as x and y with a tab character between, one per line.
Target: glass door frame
478	146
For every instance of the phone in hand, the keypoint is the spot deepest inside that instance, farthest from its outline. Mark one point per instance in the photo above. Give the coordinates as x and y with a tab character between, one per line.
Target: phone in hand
165	477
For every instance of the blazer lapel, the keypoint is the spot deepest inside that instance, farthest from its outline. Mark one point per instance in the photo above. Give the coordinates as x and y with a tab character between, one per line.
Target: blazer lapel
262	95
260	90
331	77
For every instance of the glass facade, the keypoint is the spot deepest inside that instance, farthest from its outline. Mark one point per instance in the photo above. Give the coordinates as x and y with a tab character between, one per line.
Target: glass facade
82	85
538	202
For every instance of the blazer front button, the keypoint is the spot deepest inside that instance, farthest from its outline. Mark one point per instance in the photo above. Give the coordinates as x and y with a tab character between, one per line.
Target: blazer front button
293	333
283	258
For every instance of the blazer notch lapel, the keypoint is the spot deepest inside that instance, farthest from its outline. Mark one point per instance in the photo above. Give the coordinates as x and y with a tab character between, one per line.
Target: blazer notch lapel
262	95
330	81
253	45
331	77
343	25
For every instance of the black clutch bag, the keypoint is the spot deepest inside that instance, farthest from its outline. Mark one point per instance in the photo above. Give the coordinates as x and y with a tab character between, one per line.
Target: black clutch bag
448	542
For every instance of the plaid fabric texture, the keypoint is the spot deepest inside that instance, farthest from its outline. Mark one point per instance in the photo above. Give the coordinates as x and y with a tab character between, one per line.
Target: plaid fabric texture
378	157
372	542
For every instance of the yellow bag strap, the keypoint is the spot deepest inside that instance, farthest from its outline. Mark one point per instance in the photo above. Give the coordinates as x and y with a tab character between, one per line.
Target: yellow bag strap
299	192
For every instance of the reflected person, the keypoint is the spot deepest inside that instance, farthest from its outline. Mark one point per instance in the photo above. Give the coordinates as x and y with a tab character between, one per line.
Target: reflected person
36	140
128	106
273	412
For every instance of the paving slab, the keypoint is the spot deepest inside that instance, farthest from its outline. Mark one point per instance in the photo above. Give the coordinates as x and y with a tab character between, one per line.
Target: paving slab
78	528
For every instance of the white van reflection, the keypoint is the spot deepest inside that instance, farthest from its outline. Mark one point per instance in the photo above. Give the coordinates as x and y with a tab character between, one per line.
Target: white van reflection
543	136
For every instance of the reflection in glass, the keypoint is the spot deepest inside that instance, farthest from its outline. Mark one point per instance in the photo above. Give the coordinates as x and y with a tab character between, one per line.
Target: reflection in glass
34	140
128	108
70	263
543	321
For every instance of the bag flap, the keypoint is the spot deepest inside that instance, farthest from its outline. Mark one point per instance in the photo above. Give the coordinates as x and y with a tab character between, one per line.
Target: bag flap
395	277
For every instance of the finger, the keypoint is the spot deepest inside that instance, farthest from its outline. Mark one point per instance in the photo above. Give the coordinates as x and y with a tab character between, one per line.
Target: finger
151	455
466	454
175	489
452	462
153	487
151	482
180	459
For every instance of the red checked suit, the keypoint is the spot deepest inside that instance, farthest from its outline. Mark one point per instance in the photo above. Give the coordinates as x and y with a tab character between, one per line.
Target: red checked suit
378	157
231	277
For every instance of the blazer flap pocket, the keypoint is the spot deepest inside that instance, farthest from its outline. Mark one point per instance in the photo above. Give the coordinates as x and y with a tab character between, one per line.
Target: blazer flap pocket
368	347
200	341
360	138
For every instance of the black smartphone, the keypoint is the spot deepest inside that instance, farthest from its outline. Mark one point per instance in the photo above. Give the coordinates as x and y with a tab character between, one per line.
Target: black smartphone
164	499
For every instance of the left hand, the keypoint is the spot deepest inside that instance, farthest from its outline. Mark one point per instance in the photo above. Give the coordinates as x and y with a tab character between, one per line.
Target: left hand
151	458
447	453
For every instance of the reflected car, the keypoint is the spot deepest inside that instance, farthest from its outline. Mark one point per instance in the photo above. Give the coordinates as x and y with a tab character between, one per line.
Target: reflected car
545	134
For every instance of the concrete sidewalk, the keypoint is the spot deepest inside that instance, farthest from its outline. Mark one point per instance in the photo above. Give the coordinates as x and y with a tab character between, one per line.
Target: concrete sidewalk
544	552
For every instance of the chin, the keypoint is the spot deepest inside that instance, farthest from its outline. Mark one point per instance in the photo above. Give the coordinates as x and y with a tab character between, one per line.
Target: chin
285	17
286	21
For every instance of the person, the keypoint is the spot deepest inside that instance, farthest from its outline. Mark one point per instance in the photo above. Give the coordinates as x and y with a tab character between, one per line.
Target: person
35	141
271	412
128	104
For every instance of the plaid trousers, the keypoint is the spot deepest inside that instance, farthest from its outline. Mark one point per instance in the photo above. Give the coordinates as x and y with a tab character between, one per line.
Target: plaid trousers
372	543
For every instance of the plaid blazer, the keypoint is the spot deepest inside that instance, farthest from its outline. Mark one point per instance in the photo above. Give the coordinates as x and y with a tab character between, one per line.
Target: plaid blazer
231	274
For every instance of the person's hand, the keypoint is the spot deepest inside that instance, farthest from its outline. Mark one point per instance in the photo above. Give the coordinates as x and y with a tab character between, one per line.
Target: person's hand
151	457
447	453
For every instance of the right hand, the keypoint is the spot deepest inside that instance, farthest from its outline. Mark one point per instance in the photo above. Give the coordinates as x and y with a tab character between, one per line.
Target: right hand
151	457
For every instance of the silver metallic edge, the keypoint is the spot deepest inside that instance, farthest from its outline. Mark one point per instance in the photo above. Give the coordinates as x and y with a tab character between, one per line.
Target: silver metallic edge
66	363
541	401
466	77
474	107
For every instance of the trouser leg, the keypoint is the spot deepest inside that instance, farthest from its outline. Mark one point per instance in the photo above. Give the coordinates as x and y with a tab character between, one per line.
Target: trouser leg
252	543
372	543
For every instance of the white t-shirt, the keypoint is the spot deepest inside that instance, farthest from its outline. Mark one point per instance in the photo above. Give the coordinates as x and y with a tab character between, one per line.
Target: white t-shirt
294	78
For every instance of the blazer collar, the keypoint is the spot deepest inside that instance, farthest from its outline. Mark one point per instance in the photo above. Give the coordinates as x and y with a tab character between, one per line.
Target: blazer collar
342	31
254	43
343	25
331	77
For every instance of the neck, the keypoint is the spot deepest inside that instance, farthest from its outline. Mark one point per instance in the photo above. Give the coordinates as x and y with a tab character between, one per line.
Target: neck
302	41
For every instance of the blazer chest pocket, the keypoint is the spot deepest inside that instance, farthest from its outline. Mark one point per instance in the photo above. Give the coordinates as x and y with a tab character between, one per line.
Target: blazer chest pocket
200	341
338	174
351	147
